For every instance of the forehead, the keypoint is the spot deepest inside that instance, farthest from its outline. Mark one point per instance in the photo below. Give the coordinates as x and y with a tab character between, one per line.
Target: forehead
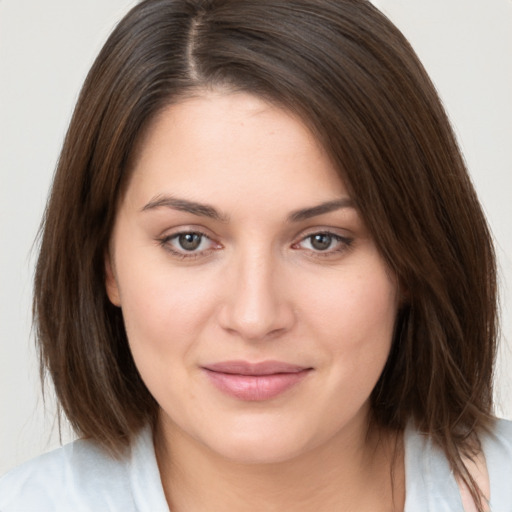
218	144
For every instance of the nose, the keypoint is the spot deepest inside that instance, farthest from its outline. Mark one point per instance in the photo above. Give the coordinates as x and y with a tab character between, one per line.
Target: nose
256	304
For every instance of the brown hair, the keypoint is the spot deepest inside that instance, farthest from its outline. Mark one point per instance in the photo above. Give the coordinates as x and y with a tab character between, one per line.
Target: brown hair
354	79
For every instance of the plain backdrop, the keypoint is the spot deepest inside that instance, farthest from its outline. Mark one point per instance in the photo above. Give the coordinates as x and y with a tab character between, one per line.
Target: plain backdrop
46	48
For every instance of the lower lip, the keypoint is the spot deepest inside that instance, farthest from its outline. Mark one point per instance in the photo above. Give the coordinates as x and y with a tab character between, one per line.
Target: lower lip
255	387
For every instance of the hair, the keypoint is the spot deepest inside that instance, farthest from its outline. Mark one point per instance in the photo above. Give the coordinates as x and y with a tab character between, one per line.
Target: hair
353	78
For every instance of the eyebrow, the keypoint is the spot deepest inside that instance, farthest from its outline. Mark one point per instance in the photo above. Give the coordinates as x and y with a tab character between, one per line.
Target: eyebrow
205	210
184	205
321	209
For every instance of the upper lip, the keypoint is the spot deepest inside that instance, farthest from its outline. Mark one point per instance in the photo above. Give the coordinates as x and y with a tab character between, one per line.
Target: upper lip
261	368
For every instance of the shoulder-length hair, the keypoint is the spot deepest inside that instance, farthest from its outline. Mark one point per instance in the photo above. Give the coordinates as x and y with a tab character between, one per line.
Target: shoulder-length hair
355	81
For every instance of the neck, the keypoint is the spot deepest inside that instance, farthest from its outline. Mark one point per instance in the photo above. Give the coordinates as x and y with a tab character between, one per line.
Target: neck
350	472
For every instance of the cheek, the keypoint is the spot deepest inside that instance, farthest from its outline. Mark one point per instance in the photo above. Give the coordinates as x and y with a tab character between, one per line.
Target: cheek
354	319
372	309
353	303
164	310
354	324
165	316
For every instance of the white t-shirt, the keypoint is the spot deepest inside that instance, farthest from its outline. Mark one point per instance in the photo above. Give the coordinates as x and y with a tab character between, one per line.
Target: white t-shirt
81	477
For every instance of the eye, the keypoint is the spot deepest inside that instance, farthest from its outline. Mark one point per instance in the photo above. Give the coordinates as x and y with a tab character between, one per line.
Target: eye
188	244
324	242
321	241
189	241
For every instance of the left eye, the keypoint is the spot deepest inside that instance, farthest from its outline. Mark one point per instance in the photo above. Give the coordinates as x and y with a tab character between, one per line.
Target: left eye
324	242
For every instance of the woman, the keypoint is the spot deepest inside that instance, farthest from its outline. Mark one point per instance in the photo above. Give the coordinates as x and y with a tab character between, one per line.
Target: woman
265	281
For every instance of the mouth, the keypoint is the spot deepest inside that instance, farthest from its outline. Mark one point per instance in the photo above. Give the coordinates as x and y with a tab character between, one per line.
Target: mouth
255	381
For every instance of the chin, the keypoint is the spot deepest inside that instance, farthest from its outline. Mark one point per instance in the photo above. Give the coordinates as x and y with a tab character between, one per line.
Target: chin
260	453
266	446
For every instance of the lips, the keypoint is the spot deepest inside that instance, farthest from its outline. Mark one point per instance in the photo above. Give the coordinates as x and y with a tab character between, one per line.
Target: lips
255	381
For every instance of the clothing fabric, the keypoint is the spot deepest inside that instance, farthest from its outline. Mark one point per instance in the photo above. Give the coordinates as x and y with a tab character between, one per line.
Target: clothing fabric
81	477
430	485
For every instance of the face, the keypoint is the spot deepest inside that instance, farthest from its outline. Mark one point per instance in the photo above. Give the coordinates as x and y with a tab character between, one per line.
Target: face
257	308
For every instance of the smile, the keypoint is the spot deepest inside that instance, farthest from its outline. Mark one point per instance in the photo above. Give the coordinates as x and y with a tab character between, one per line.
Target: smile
255	382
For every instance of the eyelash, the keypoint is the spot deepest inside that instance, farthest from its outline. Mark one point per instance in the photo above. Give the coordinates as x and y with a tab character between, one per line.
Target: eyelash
165	242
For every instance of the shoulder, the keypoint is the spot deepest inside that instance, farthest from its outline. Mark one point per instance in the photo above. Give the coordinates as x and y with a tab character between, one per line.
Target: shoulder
81	476
491	468
500	435
430	483
497	449
64	479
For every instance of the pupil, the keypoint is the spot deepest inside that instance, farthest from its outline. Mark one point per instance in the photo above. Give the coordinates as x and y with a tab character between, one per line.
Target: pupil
189	241
321	242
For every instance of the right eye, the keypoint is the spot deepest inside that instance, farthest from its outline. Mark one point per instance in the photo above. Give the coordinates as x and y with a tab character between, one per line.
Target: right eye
189	241
188	244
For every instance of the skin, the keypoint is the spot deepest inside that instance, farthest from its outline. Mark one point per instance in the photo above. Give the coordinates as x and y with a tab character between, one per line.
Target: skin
256	288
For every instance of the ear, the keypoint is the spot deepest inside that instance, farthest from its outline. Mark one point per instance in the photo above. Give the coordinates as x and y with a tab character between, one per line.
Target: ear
111	286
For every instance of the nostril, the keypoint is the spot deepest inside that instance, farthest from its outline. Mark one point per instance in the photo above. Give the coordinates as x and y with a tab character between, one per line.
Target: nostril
254	324
255	305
